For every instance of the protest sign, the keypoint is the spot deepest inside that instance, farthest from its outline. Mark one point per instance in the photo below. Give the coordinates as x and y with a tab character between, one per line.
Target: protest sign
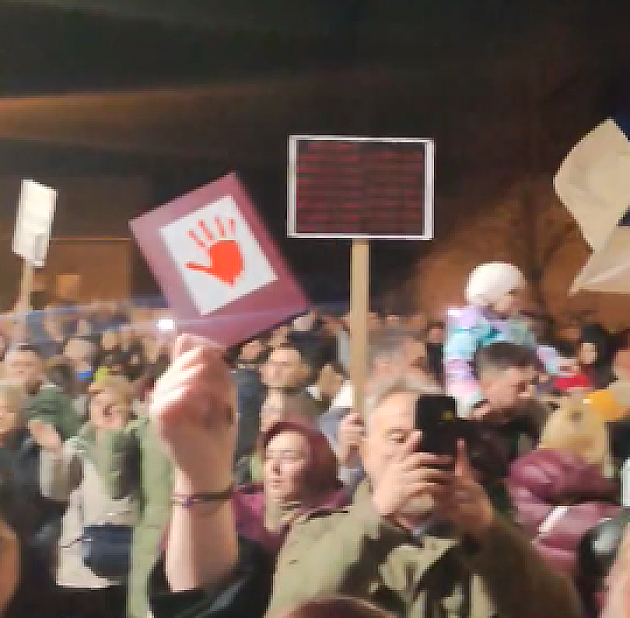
36	209
362	189
217	266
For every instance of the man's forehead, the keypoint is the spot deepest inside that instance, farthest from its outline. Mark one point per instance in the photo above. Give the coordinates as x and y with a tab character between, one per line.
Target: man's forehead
395	409
288	439
285	355
517	375
23	355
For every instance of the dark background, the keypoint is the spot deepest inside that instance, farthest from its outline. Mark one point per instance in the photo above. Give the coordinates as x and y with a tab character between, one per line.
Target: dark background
504	88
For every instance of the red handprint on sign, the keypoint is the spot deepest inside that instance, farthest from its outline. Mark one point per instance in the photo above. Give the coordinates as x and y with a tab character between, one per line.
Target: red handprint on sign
224	258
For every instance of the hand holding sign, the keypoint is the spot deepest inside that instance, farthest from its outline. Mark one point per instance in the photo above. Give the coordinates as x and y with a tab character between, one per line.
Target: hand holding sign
225	261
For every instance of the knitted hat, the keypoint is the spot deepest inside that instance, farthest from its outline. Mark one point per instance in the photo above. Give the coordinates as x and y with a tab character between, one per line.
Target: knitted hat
577	429
489	283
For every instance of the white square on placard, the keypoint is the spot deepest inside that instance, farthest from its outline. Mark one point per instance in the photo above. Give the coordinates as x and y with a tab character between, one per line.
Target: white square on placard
217	255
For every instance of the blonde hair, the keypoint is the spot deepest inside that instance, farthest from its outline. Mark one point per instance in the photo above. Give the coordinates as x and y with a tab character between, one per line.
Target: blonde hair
576	428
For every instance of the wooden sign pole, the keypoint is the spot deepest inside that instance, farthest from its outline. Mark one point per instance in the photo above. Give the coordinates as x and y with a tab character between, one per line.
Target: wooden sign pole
26	286
359	308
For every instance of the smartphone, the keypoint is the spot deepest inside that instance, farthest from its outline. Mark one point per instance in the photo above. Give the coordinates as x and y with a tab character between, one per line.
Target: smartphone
436	418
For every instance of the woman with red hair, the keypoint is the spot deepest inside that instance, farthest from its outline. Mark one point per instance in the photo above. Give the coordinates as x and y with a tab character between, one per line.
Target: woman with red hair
299	476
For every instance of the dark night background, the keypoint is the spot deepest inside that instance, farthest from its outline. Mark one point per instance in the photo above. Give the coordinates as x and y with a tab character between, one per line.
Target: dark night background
504	88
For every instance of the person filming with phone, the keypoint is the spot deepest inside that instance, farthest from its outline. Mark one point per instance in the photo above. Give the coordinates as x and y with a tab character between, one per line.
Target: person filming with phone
422	538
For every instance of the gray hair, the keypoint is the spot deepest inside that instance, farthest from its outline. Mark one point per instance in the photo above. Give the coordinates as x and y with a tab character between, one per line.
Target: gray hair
405	382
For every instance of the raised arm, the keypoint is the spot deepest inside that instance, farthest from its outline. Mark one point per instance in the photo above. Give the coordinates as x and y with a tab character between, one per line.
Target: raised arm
193	411
60	466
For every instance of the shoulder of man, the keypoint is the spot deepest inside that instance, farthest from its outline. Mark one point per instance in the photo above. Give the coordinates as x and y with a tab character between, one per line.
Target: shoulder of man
311	525
359	514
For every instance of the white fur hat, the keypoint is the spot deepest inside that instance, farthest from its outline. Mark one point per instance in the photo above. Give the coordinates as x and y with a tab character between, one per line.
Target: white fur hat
490	282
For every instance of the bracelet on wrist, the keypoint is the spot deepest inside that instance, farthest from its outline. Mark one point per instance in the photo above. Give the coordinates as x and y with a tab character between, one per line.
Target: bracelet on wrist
189	500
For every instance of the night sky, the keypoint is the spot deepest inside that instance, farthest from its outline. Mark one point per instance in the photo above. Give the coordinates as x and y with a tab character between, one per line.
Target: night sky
504	88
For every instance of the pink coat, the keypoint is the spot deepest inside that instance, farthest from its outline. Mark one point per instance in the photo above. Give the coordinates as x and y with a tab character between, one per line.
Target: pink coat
557	498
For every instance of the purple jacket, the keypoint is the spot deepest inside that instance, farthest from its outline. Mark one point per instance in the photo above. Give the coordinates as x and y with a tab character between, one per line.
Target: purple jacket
556	498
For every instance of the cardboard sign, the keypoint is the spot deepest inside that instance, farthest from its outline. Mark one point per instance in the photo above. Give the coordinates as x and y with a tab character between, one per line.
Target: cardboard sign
360	187
593	181
216	264
36	209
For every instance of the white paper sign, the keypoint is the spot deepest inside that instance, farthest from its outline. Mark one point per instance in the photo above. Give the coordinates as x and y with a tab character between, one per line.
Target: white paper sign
36	209
217	255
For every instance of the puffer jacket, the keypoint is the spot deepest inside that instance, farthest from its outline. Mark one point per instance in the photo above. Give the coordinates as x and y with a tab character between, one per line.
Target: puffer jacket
557	498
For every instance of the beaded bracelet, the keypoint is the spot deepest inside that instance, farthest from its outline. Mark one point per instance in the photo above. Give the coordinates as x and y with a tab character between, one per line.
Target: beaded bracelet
188	501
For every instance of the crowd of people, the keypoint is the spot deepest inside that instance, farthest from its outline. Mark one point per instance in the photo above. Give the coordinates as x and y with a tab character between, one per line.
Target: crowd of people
147	474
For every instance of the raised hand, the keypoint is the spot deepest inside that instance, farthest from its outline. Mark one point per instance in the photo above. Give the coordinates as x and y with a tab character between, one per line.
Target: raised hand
465	503
409	475
349	435
45	435
223	254
193	408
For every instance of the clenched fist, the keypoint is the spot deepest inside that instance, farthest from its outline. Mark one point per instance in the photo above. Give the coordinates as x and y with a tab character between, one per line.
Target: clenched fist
193	409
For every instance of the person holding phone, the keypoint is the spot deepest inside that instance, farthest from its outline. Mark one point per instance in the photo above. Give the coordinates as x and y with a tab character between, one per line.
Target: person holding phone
419	539
422	537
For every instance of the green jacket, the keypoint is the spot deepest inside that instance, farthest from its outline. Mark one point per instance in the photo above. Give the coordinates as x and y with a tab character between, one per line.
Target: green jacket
355	552
133	461
53	406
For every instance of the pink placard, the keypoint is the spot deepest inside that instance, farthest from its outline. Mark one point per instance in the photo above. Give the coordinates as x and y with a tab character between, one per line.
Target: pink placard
216	264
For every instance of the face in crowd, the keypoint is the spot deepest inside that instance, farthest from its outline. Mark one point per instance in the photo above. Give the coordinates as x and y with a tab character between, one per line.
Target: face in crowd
272	410
510	304
108	410
284	369
287	458
388	427
506	389
26	368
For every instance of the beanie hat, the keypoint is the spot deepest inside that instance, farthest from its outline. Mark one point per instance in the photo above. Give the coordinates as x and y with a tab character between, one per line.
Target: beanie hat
490	282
